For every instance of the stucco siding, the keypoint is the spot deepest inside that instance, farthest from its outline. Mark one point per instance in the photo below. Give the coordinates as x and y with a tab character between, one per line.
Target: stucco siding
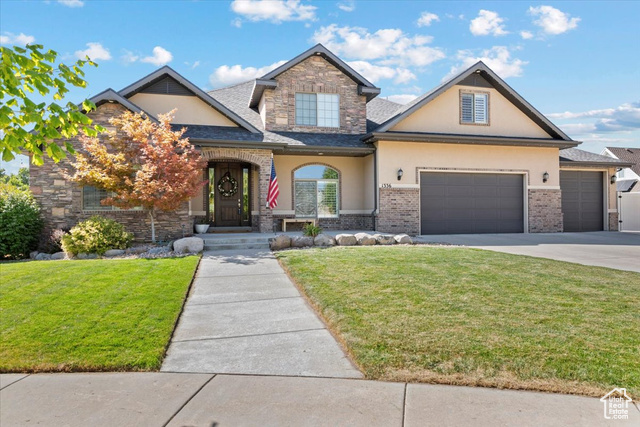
190	109
442	115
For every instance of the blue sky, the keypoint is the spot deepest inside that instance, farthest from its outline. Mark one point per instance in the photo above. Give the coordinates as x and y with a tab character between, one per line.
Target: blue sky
576	62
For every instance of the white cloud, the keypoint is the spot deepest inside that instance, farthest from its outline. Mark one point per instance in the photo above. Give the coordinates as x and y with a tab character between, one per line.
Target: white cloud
426	19
552	20
498	58
227	75
129	57
95	52
275	11
192	65
161	56
237	23
526	35
389	46
626	117
16	39
402	99
374	73
71	3
347	5
487	22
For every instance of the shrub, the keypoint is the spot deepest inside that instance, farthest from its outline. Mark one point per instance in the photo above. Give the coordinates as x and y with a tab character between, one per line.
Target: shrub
96	235
20	223
53	243
311	230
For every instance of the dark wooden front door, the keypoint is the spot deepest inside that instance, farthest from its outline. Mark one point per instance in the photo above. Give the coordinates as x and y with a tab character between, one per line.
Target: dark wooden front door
228	208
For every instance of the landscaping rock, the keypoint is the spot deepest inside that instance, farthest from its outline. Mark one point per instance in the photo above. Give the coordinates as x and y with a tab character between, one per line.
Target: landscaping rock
365	239
188	244
137	250
59	255
33	254
114	252
346	240
159	250
301	241
324	240
43	257
280	242
384	239
403	239
83	255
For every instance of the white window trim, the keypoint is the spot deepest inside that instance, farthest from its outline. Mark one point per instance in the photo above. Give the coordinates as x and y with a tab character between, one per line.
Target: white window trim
317	180
295	110
488	109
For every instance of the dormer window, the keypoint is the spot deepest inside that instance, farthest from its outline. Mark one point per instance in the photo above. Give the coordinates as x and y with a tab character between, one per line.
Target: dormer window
474	108
318	109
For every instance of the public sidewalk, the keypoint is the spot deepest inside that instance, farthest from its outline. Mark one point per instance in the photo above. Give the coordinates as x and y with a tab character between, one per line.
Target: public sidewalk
158	399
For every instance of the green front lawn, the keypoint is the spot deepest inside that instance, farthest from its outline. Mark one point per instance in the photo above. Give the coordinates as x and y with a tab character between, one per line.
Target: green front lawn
466	316
90	315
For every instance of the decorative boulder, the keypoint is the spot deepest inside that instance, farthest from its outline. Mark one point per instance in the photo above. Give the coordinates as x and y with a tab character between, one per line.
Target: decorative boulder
365	239
346	240
384	239
114	252
160	250
402	239
59	255
33	254
43	257
301	241
83	255
136	250
324	240
280	242
188	244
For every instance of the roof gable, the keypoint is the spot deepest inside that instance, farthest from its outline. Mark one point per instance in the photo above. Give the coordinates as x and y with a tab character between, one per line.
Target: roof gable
158	79
365	87
486	77
110	95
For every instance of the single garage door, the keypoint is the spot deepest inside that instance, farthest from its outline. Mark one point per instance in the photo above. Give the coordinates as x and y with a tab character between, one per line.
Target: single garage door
582	202
456	203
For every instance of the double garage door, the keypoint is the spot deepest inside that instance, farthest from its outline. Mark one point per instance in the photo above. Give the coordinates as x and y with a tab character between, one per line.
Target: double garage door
458	203
582	200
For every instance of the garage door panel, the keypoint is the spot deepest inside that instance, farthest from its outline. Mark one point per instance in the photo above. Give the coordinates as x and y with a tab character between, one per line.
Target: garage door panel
471	203
582	200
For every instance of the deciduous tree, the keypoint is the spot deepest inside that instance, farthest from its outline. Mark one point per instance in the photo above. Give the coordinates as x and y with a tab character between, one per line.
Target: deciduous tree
38	127
142	163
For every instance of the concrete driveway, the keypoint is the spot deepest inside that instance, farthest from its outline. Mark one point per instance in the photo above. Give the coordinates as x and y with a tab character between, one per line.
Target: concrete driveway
603	248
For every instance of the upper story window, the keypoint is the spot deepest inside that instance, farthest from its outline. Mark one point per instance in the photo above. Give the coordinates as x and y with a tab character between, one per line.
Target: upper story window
474	108
318	109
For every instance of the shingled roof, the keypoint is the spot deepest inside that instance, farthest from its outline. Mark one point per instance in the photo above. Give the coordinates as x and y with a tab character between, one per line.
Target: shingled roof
628	154
574	156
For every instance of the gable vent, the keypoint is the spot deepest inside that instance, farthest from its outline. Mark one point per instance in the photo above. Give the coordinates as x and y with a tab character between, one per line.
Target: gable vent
167	86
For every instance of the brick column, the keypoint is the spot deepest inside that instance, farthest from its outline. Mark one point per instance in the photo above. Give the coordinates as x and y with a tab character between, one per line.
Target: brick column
399	211
614	225
545	211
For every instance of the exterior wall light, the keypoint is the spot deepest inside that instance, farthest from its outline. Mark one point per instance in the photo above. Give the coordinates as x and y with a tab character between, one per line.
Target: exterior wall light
400	173
613	179
545	177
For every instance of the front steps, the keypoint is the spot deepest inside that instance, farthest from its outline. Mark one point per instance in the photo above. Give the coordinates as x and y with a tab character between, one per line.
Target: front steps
229	242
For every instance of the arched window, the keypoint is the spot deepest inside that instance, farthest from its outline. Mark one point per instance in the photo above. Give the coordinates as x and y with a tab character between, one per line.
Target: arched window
316	192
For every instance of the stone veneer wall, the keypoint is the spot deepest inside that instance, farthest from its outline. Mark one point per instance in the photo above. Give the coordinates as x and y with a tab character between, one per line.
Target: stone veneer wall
399	211
263	222
545	211
314	75
61	200
614	225
343	222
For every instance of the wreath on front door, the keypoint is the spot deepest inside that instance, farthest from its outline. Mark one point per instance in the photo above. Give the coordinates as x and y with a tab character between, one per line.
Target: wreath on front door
225	189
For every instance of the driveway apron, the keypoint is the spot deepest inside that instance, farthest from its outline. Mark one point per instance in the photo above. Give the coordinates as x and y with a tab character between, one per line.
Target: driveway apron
245	316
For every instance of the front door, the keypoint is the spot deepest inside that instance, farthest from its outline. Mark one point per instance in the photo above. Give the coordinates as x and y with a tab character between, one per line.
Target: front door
228	187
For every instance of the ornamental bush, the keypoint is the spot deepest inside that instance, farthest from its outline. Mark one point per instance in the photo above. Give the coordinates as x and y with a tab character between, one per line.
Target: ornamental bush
20	223
96	235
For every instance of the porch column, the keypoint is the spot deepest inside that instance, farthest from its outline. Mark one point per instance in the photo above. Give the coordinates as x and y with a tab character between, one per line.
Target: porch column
265	218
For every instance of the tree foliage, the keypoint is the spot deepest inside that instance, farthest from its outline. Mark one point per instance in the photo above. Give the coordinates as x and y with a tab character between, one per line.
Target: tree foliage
142	163
26	124
19	180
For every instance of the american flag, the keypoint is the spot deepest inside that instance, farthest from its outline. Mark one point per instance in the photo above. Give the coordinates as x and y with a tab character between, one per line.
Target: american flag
272	194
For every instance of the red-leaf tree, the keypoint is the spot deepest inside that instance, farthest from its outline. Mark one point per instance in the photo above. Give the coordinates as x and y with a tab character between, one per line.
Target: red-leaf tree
142	164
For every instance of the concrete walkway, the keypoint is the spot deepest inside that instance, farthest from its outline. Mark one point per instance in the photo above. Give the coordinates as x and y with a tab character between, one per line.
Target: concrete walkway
601	248
244	316
159	399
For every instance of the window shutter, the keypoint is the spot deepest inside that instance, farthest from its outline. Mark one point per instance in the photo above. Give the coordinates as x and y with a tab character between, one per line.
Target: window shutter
480	105
466	108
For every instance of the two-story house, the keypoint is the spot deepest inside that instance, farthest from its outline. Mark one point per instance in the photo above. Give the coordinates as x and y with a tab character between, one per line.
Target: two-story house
471	156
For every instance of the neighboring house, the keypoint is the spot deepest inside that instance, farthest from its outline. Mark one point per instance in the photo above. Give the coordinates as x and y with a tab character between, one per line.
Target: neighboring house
471	156
629	177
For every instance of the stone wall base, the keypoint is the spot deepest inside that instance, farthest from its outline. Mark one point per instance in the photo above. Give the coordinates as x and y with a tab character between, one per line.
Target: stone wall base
545	211
399	211
343	222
